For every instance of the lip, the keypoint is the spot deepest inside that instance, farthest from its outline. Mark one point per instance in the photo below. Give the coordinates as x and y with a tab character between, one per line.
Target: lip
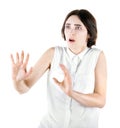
71	40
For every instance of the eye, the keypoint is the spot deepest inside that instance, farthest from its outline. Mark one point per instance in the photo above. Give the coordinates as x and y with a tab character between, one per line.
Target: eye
67	27
78	28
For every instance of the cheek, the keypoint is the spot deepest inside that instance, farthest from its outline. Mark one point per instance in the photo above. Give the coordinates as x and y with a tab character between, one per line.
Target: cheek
82	36
66	35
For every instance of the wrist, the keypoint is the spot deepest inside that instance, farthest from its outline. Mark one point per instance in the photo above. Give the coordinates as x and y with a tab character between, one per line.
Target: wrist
20	86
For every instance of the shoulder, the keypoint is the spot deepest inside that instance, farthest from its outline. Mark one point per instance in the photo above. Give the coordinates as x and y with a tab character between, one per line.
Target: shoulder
95	52
97	55
48	54
57	49
100	57
55	54
100	52
95	49
50	50
54	51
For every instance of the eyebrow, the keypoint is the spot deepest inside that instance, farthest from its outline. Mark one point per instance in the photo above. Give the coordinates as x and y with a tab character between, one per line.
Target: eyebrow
74	24
77	25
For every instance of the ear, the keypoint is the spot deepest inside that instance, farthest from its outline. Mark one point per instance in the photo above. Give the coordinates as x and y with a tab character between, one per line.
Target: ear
88	36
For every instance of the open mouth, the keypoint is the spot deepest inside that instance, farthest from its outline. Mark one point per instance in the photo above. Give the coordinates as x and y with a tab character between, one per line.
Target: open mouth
71	40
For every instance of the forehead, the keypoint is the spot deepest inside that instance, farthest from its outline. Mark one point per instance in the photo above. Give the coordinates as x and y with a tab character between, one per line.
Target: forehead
74	20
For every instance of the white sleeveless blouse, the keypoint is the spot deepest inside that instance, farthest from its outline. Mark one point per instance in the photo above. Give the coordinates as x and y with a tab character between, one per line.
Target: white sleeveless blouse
63	111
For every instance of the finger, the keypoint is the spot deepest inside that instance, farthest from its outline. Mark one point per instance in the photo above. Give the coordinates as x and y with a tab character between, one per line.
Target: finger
17	57
26	61
29	72
65	70
57	82
22	56
12	59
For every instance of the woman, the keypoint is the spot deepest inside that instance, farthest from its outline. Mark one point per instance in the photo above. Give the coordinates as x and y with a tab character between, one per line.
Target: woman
75	99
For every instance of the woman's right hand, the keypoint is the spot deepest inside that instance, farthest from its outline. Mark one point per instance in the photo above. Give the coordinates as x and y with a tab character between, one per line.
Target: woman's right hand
19	68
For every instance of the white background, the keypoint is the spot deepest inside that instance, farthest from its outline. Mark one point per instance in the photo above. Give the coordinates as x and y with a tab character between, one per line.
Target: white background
34	26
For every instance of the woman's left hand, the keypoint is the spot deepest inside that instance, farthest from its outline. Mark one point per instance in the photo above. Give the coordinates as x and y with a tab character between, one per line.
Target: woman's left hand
66	84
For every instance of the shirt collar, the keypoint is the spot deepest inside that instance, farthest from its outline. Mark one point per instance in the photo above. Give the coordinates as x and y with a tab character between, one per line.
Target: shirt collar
80	55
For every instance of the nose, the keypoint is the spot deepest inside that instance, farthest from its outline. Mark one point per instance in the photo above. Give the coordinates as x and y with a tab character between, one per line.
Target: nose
72	31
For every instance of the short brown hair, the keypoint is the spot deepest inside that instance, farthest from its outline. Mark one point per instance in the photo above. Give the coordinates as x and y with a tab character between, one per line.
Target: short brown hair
88	20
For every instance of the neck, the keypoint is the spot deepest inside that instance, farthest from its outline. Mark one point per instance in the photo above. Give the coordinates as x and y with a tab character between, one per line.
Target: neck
77	51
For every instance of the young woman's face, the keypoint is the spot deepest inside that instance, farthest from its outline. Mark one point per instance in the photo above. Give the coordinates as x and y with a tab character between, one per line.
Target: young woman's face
75	33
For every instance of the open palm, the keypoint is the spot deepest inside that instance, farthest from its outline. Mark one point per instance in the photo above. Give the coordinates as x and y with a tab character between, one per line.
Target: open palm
19	68
66	84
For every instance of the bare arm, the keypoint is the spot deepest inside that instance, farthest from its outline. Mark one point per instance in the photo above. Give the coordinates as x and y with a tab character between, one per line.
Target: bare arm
23	80
96	99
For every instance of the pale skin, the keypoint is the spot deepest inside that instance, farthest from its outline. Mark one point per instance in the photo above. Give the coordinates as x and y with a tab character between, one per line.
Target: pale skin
74	30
